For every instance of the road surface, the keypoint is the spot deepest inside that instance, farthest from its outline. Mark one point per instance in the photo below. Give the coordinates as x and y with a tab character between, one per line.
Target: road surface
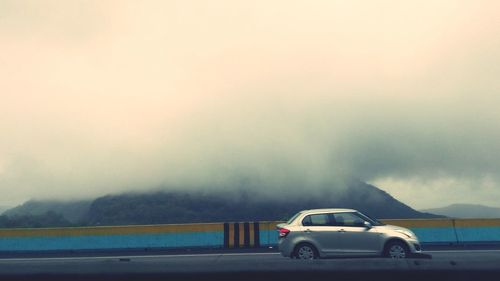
449	264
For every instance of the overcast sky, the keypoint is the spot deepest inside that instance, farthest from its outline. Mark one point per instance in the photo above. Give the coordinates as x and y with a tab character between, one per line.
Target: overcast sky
99	97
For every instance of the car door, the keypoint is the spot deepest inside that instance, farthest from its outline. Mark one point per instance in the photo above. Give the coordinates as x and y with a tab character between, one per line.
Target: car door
356	238
318	229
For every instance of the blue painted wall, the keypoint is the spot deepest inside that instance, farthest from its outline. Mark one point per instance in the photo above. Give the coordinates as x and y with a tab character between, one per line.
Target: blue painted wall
435	235
268	238
478	234
131	241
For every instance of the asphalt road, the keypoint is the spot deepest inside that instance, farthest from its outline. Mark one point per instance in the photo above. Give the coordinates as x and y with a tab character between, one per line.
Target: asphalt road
450	265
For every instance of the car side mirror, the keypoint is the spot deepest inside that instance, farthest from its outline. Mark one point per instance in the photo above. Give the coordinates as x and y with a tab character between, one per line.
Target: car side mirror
367	224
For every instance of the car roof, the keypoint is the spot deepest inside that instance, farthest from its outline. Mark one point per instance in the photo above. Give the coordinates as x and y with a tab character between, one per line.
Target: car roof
332	210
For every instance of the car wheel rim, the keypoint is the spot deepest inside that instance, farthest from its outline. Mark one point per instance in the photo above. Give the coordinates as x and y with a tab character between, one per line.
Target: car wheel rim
397	252
306	253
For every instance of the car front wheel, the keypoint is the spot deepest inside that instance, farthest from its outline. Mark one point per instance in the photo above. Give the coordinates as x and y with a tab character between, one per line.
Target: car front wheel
397	250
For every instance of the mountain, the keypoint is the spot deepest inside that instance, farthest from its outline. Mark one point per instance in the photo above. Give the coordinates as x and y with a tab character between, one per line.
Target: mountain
73	211
466	211
184	207
47	219
165	207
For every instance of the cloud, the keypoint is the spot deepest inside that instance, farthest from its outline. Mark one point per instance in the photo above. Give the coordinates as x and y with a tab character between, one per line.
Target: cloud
100	98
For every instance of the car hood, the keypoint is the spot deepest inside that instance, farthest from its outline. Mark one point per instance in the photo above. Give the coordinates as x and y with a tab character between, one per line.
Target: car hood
395	227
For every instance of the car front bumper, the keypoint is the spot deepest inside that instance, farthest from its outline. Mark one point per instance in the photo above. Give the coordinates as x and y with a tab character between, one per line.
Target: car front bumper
414	245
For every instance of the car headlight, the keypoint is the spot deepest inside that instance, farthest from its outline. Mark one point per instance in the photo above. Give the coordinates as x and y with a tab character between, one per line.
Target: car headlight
407	233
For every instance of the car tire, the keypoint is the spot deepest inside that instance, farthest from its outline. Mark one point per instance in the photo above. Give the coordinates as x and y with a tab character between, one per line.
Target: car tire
305	251
396	250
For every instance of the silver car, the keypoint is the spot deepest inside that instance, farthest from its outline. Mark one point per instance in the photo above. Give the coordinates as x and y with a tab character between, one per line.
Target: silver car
321	233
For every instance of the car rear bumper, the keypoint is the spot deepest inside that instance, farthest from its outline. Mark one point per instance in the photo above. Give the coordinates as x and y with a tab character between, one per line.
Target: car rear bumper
285	247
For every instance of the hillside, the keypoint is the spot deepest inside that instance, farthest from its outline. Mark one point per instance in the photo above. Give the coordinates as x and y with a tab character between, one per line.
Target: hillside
189	207
175	207
47	219
466	211
73	211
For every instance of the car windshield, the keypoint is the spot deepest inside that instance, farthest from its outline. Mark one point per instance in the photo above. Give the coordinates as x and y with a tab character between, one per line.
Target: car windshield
370	219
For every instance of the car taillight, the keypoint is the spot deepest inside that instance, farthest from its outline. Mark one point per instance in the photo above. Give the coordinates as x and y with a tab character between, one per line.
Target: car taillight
283	232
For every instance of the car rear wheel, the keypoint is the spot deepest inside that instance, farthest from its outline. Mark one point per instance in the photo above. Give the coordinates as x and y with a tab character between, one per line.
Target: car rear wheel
396	250
305	251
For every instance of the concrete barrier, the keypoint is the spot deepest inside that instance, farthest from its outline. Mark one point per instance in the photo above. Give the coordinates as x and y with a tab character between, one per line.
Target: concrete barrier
268	233
118	237
221	235
435	231
242	234
477	231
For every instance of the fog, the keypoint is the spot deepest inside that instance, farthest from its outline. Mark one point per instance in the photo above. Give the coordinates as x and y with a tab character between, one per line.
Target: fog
100	97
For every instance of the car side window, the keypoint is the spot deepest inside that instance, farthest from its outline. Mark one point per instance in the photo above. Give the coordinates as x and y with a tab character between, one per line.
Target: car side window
316	220
347	219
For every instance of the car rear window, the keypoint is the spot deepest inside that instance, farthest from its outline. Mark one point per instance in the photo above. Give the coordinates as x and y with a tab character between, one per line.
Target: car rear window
293	218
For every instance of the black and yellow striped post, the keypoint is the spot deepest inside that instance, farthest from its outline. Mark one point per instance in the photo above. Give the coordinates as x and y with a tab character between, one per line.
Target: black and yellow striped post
241	235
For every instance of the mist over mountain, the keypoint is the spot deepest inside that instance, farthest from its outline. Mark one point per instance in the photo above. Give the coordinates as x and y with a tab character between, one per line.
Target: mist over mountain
163	207
466	211
4	208
73	211
175	207
103	98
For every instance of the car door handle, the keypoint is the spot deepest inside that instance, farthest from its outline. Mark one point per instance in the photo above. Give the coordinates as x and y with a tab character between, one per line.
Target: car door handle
342	230
307	231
